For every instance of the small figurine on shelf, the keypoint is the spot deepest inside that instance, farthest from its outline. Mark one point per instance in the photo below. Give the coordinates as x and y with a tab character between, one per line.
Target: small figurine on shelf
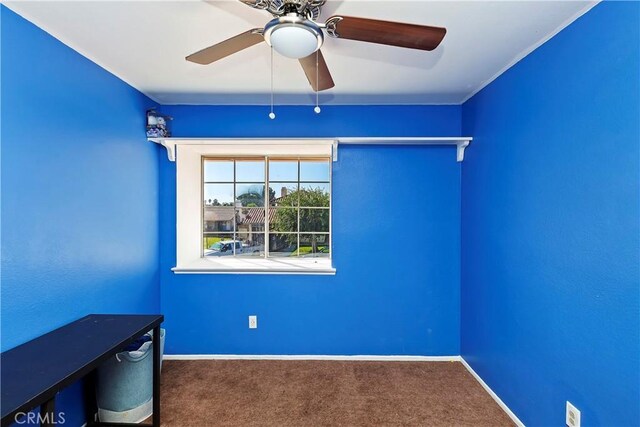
157	125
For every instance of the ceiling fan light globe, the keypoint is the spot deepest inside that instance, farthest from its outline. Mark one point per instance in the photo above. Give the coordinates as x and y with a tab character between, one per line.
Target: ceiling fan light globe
294	41
293	36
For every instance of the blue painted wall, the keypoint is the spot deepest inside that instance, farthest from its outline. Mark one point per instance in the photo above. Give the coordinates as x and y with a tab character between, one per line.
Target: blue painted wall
545	307
79	190
396	245
550	226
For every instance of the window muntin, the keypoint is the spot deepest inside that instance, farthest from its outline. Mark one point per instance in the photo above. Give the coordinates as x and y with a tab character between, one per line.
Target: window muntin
235	200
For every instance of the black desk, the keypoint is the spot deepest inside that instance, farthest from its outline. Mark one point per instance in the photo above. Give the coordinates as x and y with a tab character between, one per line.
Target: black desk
32	373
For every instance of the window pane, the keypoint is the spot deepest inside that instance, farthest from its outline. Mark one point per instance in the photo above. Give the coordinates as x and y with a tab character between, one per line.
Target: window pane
218	170
314	245
283	194
250	220
283	219
234	221
218	194
216	218
216	244
250	195
314	170
250	243
250	171
314	220
283	170
282	245
314	195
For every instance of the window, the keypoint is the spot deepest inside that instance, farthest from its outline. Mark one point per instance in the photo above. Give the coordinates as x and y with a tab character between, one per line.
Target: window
254	207
238	193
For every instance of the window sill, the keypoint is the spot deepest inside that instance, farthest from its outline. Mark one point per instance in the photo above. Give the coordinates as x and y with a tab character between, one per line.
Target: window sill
230	265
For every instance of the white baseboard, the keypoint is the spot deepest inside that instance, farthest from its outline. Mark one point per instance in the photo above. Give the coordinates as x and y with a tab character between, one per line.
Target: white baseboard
495	397
310	357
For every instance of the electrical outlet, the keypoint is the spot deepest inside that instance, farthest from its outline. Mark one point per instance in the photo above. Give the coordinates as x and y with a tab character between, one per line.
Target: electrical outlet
253	322
573	415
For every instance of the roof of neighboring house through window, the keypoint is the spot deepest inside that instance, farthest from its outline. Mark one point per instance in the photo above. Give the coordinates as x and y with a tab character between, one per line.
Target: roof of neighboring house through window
253	215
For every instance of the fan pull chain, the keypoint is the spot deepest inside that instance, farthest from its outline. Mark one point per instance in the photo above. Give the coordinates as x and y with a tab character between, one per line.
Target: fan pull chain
272	115
317	108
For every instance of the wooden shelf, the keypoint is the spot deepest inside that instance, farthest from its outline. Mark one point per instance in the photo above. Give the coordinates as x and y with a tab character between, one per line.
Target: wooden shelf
461	142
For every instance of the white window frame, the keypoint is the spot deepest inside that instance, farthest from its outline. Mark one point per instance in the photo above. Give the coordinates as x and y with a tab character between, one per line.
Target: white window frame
189	182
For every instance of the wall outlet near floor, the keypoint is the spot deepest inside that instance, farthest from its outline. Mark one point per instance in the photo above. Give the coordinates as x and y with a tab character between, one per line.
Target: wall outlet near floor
253	322
573	415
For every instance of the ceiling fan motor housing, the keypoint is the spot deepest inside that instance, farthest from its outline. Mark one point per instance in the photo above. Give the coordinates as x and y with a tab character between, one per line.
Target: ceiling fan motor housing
294	6
307	8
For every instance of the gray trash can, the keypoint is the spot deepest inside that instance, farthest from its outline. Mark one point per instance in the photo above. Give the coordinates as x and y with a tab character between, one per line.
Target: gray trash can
124	386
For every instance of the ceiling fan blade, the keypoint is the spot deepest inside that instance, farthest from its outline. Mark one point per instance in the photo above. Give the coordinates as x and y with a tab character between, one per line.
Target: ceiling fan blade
227	47
385	32
320	78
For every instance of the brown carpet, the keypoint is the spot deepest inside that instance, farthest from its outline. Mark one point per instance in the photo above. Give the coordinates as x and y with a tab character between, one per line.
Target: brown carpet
324	393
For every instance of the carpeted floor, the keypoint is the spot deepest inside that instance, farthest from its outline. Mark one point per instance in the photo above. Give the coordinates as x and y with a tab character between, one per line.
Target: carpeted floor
324	393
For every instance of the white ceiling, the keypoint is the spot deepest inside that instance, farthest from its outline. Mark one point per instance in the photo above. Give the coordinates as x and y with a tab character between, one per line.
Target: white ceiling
145	42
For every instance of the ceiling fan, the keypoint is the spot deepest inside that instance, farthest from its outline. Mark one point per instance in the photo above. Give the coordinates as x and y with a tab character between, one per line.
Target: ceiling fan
295	33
